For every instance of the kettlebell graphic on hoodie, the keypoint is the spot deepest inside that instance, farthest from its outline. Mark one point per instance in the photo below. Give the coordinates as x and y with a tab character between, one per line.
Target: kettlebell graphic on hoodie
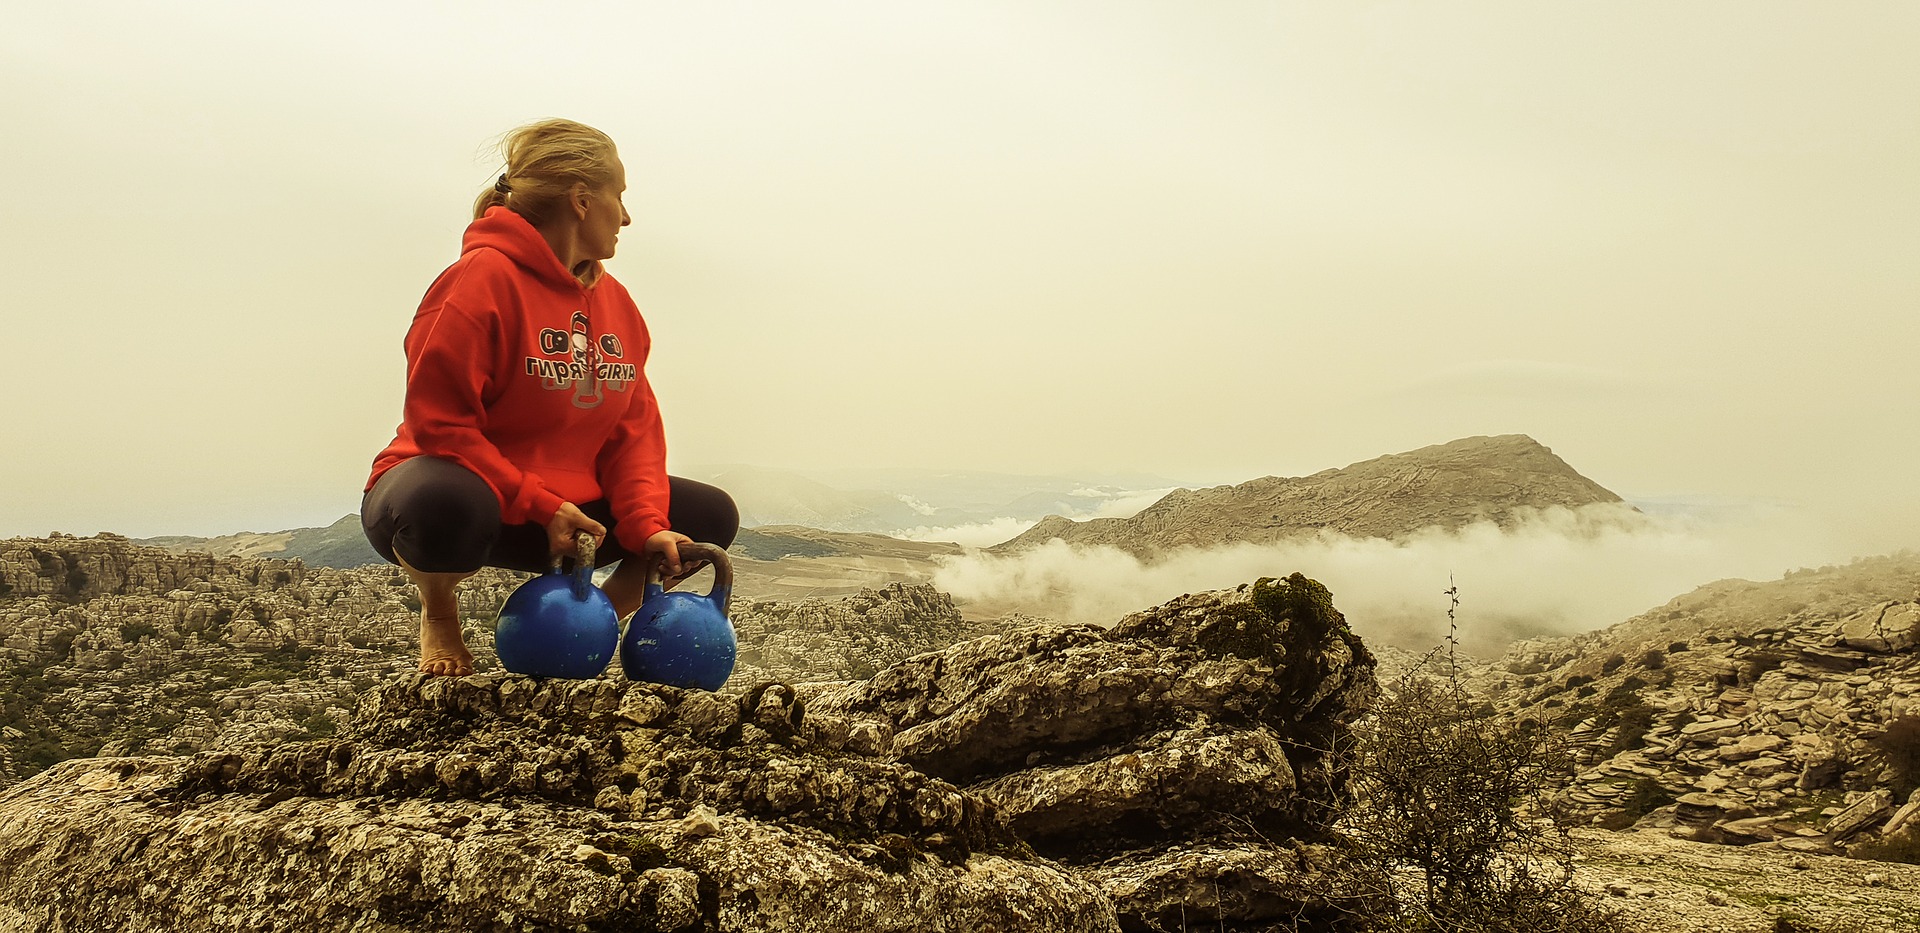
586	356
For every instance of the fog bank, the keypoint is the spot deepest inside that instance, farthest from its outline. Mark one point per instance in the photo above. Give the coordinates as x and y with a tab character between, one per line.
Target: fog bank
1557	572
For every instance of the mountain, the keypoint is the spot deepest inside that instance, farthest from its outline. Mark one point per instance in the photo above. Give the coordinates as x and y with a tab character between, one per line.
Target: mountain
1448	485
895	501
341	544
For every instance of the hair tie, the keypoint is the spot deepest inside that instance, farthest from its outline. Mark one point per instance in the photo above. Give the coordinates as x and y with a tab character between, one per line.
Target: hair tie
502	186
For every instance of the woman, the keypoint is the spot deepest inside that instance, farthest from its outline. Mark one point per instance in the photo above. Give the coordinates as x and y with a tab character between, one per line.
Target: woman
528	417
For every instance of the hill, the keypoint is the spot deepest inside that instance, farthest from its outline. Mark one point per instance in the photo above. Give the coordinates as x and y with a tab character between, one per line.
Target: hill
1450	485
1785	711
341	544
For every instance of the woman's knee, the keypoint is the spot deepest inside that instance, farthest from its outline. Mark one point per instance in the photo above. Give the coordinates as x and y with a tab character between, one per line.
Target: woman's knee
436	515
703	512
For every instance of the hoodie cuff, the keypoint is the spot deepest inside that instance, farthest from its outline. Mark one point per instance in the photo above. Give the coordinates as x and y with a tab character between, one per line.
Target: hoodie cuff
534	503
634	532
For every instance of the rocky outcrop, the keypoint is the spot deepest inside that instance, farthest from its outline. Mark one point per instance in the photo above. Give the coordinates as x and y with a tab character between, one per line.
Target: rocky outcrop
499	803
1162	748
843	639
1498	479
1747	713
1181	764
109	647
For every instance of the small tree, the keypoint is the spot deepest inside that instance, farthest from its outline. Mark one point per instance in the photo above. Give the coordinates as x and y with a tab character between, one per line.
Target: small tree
1454	815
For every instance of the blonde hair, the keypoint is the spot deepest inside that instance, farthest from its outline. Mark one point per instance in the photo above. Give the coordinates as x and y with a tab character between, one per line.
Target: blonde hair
544	161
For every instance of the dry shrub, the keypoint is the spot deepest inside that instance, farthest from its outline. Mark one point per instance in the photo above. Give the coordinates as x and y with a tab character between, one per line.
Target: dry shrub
1453	818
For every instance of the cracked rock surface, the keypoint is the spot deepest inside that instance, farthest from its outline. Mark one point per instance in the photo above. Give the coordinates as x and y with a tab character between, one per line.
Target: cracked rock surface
1059	779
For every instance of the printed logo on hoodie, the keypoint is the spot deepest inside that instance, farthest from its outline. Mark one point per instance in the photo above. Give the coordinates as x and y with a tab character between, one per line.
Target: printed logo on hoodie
583	364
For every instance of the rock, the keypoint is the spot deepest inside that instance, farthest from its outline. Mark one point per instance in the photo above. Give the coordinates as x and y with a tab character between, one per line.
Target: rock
1700	808
1748	830
1856	815
1211	709
1708	729
842	639
449	807
1750	746
1889	627
1903	817
1144	759
1213	885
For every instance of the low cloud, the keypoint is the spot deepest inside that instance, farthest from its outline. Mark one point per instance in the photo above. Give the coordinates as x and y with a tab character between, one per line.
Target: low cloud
1557	572
976	534
1119	503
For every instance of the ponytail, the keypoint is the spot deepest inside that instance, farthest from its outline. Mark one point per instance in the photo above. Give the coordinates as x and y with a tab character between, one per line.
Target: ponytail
544	161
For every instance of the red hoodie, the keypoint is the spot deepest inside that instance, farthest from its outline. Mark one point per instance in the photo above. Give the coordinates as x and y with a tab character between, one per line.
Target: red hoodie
518	372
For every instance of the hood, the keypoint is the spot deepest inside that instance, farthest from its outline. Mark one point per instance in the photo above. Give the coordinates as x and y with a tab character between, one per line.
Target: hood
507	232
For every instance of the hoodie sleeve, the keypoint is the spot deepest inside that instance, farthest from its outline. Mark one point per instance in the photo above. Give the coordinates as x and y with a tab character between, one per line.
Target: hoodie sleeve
450	352
633	467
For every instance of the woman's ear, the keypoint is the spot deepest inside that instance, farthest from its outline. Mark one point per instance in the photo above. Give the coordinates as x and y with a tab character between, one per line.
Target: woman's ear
579	196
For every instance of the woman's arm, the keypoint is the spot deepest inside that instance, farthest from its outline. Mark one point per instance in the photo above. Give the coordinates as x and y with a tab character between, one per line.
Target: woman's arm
633	471
451	353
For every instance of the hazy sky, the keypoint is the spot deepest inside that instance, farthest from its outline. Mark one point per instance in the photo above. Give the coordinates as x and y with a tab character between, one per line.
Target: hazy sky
1679	243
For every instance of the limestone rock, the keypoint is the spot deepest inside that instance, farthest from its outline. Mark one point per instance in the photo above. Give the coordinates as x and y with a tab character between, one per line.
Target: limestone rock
1858	814
1889	627
469	804
499	802
844	639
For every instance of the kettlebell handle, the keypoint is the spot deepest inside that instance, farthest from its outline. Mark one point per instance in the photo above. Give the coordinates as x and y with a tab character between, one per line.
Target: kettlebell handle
698	550
583	549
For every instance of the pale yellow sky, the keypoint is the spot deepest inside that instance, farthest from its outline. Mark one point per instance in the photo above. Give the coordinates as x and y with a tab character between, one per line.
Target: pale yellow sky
1212	241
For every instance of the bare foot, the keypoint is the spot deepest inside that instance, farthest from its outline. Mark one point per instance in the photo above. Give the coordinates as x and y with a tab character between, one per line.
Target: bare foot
443	649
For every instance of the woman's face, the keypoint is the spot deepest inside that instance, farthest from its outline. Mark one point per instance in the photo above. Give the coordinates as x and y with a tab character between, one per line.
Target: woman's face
606	214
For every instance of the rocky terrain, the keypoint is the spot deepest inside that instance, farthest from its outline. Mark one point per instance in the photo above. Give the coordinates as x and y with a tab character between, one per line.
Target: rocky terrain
1655	883
790	562
1785	712
1175	768
109	647
1498	479
817	640
1740	738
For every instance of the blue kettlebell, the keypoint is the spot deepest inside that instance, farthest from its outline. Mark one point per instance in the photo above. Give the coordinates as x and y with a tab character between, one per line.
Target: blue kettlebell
683	639
559	624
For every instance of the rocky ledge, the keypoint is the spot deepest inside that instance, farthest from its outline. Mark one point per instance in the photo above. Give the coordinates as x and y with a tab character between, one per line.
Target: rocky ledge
1066	779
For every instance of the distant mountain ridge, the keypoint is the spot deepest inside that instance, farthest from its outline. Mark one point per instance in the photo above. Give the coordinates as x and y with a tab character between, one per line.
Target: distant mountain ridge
1446	485
898	501
341	544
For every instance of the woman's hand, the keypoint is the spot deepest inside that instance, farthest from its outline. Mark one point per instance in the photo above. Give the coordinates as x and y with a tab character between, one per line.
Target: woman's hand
667	544
567	521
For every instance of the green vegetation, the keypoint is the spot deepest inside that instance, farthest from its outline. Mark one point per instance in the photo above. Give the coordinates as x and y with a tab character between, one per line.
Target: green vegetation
1900	746
1455	825
132	632
1904	847
1255	629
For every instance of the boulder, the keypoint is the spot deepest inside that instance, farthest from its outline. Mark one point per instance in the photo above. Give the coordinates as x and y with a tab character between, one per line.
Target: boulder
1869	808
1889	627
1067	779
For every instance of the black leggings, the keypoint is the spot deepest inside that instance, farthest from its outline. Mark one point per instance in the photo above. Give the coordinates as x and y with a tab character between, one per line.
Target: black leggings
443	518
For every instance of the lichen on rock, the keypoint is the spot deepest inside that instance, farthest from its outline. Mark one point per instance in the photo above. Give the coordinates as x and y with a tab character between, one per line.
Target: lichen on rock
1048	778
